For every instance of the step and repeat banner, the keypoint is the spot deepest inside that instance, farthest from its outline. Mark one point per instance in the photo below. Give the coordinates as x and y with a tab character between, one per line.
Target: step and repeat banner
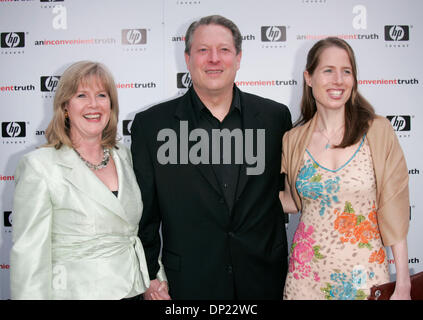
142	42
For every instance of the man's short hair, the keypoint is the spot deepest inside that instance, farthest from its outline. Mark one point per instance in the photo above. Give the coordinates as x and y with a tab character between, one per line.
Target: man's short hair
217	20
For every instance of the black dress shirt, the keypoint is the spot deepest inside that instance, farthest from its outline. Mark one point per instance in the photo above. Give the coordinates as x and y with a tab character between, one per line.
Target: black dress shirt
226	174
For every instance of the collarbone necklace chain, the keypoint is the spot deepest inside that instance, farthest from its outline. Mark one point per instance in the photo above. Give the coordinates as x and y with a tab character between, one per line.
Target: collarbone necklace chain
328	144
104	162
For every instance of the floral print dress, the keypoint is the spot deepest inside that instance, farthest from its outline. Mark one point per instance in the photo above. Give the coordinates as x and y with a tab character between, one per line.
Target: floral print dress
337	252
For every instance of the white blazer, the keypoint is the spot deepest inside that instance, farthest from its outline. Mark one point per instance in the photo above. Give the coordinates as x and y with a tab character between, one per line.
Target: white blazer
72	237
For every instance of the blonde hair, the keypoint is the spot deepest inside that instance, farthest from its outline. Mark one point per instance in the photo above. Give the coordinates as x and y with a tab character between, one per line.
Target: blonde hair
58	130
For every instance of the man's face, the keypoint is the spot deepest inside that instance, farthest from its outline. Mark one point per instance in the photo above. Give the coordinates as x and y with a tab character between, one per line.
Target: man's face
213	61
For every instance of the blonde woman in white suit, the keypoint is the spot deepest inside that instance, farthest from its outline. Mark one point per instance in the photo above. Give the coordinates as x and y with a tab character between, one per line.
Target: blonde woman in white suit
77	203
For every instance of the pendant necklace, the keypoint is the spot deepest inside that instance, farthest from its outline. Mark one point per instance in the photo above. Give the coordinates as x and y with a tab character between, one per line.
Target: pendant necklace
328	144
101	165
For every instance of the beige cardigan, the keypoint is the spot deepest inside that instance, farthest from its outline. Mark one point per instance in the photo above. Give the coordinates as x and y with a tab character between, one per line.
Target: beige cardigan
390	168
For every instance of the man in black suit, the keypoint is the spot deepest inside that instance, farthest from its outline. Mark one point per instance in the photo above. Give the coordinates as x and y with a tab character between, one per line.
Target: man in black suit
208	165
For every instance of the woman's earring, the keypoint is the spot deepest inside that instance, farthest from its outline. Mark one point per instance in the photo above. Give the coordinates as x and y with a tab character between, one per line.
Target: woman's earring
66	114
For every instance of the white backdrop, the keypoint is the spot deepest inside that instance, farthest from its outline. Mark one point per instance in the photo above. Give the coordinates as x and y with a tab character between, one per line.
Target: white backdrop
142	42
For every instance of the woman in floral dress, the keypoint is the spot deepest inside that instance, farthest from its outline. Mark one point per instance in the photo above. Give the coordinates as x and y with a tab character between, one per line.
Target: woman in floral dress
346	173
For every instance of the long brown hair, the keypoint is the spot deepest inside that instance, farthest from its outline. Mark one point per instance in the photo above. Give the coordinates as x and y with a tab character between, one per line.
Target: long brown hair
358	111
58	130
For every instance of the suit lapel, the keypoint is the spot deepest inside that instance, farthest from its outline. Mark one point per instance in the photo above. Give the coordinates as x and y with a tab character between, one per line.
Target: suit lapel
81	177
129	197
185	112
251	120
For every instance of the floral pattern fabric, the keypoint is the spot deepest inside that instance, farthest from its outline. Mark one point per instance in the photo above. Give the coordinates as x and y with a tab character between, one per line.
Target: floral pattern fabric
303	252
310	185
336	252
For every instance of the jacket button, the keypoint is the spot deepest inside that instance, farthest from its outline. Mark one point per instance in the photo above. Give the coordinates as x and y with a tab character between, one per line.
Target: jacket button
221	200
229	269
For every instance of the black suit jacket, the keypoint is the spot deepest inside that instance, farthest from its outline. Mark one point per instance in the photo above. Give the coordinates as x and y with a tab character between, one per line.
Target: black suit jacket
209	252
